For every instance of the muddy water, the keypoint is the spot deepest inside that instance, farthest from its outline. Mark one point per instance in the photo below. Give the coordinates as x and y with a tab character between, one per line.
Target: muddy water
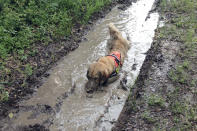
61	103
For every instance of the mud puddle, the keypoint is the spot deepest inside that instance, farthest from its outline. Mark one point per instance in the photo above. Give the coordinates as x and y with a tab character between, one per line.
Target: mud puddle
61	103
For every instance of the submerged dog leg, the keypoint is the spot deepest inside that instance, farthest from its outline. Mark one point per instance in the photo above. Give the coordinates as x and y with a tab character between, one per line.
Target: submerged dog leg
112	79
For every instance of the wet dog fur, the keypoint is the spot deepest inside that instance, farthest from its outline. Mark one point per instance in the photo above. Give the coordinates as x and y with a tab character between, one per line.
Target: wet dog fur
98	72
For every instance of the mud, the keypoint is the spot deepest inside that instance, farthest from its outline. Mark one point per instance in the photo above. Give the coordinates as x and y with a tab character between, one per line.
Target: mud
43	61
61	104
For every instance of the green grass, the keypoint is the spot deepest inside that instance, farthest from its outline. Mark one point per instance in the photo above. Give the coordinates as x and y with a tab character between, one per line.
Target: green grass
24	22
146	115
179	74
155	100
177	107
4	94
28	70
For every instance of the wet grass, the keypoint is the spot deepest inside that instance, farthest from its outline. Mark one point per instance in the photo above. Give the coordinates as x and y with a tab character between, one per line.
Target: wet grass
179	75
25	24
4	94
181	27
148	118
155	100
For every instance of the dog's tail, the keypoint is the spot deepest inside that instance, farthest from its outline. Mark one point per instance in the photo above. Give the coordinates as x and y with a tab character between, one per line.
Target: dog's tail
112	29
115	34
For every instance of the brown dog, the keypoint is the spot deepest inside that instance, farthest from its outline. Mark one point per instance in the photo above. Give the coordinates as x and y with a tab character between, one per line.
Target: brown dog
108	66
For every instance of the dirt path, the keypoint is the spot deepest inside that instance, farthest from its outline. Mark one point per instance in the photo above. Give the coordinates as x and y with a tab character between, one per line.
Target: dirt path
164	95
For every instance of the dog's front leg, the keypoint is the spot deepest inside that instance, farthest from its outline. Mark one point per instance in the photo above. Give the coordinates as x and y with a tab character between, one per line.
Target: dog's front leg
112	79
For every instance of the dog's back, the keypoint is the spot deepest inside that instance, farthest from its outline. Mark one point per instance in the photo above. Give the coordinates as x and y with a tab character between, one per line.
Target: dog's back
118	41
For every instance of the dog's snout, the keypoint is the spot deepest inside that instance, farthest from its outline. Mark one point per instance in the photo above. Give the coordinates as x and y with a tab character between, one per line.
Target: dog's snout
90	86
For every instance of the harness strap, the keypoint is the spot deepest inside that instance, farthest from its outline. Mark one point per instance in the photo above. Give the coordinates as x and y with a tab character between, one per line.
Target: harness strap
117	65
116	59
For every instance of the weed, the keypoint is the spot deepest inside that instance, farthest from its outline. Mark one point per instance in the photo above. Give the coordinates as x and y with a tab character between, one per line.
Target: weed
186	64
33	52
193	83
133	105
155	100
191	114
147	117
177	107
28	70
179	74
4	95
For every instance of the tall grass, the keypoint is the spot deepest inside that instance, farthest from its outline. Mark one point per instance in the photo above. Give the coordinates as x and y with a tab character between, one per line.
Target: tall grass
23	22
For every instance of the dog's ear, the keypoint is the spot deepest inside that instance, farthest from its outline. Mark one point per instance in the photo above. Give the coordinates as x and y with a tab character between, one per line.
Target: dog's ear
103	77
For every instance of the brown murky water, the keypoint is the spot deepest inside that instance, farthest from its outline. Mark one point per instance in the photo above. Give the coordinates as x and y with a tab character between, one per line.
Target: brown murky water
61	103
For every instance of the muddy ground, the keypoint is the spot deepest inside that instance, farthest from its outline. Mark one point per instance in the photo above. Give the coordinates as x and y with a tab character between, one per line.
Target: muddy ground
164	94
46	58
156	102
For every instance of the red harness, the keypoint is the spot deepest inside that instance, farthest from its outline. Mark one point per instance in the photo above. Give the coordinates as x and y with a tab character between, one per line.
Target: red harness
116	56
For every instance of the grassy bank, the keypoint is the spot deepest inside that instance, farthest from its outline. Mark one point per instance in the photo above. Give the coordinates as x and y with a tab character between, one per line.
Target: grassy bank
27	26
181	27
164	96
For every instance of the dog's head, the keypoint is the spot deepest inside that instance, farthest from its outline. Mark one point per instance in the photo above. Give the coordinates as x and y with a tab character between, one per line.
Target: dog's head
97	76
